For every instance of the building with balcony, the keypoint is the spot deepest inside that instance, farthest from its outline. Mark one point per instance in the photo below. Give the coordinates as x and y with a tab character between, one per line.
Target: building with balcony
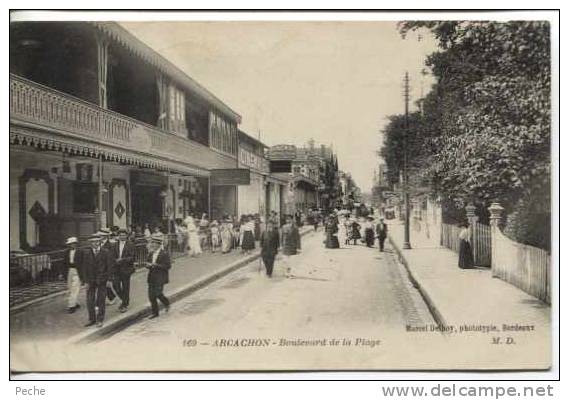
106	132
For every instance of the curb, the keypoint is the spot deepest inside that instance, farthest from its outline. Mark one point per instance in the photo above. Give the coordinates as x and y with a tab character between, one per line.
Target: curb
437	316
117	323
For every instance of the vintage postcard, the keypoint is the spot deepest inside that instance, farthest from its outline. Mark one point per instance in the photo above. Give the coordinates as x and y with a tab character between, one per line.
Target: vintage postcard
280	195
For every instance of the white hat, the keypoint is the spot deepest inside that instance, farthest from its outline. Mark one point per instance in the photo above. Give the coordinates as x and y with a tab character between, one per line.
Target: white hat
71	240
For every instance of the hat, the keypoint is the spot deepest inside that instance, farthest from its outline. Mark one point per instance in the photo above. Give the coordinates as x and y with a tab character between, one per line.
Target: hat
71	240
94	237
122	230
104	232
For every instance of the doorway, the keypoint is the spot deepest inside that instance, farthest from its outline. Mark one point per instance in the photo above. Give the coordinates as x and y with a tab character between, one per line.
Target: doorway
146	205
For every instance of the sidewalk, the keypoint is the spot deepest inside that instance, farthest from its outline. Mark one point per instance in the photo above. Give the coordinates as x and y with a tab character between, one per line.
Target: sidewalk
471	296
49	319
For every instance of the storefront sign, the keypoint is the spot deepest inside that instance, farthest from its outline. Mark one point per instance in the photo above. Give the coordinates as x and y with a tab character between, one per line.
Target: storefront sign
224	177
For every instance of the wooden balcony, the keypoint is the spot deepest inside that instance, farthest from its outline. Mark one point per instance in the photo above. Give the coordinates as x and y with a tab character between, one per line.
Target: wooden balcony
65	116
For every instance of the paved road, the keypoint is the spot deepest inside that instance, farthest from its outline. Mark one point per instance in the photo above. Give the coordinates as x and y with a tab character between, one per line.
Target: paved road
242	320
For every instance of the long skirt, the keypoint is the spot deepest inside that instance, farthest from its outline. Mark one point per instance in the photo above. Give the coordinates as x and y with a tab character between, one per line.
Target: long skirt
226	241
194	242
465	257
332	241
248	241
369	237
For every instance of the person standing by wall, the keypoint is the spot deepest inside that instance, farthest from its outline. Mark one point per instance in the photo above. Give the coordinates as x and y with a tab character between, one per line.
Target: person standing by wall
465	256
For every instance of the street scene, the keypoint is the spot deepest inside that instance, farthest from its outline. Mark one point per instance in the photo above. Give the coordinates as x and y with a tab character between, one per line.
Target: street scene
180	201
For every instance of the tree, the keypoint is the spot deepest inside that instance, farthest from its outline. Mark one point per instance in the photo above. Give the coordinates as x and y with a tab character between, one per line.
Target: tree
486	123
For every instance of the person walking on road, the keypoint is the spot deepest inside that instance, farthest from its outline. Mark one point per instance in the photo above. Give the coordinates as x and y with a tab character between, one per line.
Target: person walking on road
158	266
369	234
97	264
381	232
112	292
331	229
269	247
465	256
290	243
124	268
74	267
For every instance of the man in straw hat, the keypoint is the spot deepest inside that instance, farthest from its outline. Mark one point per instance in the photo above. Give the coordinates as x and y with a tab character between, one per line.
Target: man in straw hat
158	265
73	265
97	264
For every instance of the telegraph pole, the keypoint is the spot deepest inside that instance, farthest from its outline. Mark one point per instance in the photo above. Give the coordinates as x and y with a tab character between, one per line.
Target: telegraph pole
406	240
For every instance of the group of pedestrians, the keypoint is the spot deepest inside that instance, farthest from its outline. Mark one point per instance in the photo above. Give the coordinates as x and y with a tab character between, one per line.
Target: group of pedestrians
105	266
342	229
224	235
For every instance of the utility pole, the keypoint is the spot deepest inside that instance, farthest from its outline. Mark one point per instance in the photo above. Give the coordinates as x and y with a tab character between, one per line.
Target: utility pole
406	240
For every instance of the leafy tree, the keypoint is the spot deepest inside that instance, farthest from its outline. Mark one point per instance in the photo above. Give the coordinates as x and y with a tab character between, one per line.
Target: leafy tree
485	127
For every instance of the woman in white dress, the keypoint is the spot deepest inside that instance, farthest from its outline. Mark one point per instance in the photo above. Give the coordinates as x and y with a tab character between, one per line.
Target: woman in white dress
193	236
342	232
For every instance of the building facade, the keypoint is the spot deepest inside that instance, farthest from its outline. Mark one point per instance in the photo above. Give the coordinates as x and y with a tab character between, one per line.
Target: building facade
312	176
106	132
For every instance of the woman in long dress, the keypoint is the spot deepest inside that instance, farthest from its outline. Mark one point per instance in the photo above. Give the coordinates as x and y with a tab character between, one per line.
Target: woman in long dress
331	234
369	233
248	235
342	232
193	236
465	256
226	237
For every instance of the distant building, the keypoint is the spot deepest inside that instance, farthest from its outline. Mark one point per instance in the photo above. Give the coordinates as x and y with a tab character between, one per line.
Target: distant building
313	178
263	195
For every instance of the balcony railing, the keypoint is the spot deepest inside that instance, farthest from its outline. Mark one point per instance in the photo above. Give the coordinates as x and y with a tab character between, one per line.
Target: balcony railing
34	103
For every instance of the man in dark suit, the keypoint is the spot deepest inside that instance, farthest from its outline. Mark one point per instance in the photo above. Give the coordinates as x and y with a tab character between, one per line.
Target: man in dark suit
97	264
124	268
269	246
158	266
381	232
73	269
111	247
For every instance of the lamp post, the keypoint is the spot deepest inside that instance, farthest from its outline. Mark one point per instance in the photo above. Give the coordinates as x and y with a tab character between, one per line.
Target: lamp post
406	239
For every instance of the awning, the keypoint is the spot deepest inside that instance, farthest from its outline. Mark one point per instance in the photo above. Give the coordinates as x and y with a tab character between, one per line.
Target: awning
39	139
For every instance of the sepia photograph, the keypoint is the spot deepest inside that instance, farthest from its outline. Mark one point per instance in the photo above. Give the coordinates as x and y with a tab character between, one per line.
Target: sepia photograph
192	194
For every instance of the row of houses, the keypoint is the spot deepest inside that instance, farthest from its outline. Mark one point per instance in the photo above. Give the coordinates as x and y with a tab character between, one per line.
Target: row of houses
106	132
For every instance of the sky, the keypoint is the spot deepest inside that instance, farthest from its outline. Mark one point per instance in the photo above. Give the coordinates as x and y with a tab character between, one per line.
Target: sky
334	82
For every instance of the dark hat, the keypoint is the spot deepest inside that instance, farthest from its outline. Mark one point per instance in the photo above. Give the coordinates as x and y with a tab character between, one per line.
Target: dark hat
122	230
